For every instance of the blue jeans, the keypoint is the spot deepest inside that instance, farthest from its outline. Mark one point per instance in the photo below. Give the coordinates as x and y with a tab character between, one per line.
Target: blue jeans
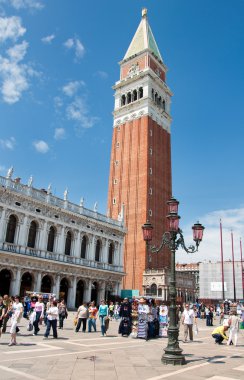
92	323
52	323
102	322
36	322
208	320
218	338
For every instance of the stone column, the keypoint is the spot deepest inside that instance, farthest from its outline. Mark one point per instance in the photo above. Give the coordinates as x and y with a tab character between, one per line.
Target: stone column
72	294
105	251
2	223
56	286
120	255
38	281
101	291
77	246
60	245
15	283
116	253
43	237
118	288
91	253
87	291
23	233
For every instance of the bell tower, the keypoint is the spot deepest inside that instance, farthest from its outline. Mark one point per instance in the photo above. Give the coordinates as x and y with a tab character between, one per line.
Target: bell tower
140	166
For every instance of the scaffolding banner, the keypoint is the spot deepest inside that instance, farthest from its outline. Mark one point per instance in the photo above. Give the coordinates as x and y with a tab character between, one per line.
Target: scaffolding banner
217	286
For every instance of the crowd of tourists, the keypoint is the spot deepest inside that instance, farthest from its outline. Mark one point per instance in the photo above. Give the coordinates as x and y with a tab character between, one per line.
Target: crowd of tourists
138	318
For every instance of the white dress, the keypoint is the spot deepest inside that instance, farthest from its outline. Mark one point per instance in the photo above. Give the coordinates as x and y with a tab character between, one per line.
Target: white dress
143	311
16	316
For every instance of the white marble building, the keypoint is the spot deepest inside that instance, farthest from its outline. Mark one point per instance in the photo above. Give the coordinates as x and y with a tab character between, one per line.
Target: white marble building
51	245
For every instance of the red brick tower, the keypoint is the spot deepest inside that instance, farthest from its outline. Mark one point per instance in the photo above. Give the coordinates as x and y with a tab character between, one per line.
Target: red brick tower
140	167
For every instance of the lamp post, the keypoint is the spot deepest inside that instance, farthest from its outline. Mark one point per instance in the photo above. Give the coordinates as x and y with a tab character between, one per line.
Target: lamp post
173	239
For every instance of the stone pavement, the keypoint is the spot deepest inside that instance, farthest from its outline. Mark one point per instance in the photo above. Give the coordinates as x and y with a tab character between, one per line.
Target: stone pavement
88	356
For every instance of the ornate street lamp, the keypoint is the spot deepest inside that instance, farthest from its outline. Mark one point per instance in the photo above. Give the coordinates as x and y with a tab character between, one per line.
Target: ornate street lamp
173	239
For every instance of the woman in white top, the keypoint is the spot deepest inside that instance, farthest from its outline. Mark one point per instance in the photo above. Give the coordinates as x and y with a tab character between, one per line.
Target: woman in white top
234	327
39	314
17	310
52	318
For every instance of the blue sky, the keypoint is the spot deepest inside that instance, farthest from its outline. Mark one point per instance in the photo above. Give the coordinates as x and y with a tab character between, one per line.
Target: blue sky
58	62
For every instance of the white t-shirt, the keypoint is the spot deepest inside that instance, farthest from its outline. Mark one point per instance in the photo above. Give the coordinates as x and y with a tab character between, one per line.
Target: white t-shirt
17	310
52	313
188	316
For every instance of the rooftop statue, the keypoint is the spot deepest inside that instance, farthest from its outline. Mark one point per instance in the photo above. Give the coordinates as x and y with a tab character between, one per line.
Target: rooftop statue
66	194
95	207
30	181
10	172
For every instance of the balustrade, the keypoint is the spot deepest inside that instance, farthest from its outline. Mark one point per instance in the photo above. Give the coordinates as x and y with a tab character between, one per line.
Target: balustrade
9	247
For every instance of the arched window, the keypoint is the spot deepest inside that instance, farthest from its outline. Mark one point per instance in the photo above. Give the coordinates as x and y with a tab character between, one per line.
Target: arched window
129	98
97	252
134	95
32	235
163	105
159	101
153	289
68	242
159	292
111	253
140	92
152	93
123	100
11	229
156	97
51	239
83	247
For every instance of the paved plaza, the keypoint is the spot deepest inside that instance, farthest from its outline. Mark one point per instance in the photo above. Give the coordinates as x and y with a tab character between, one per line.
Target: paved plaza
89	356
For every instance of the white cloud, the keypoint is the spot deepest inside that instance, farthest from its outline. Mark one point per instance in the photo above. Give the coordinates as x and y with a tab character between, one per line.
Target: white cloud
76	45
8	143
71	88
11	28
77	111
18	52
48	39
59	134
210	248
58	102
69	43
14	74
20	4
101	74
41	146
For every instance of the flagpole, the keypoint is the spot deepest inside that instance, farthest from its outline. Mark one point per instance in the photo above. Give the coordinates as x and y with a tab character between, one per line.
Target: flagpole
233	264
222	261
242	274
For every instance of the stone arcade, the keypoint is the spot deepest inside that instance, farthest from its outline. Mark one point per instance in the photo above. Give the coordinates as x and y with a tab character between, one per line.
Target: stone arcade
51	245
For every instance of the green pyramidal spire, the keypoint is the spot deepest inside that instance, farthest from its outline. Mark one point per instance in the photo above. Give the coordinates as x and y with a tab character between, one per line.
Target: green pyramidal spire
143	39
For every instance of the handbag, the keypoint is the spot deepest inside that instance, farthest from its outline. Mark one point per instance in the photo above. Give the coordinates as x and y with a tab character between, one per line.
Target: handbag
75	321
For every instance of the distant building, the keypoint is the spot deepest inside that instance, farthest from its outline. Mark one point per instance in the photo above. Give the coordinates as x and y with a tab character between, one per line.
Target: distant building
192	268
156	284
210	281
51	245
